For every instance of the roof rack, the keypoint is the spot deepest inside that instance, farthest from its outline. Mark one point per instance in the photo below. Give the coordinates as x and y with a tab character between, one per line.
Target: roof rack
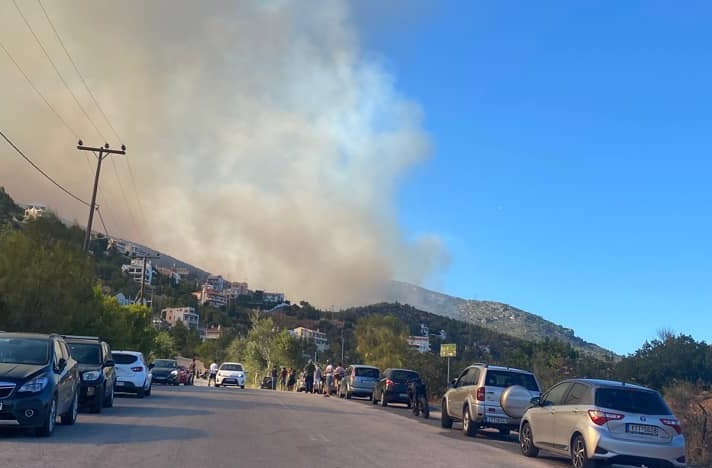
81	337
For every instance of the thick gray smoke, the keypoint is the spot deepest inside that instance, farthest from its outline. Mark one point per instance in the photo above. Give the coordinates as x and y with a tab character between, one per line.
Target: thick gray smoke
264	144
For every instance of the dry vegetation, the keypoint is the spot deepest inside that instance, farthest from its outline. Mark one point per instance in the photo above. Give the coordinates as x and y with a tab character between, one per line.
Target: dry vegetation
693	407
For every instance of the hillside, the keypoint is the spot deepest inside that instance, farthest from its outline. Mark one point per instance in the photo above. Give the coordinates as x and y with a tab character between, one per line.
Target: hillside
496	316
10	213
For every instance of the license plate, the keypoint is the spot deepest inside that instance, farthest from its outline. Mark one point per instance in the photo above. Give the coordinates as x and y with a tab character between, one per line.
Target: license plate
642	429
403	395
496	420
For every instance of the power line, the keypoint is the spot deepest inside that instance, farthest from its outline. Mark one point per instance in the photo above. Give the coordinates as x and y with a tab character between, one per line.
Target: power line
101	218
106	118
26	158
59	74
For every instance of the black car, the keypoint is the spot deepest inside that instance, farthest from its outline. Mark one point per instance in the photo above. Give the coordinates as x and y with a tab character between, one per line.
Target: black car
96	370
165	371
393	386
39	380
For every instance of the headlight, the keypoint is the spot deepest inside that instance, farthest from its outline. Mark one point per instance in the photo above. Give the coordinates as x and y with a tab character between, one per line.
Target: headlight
35	386
174	372
91	375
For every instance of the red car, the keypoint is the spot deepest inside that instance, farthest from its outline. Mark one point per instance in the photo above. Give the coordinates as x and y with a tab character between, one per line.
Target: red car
184	376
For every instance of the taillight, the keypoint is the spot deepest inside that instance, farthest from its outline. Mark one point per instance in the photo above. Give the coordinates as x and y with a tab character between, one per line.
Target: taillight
480	393
389	383
137	369
674	423
602	417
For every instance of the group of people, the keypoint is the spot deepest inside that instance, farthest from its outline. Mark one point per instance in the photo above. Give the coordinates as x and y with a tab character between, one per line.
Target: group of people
324	381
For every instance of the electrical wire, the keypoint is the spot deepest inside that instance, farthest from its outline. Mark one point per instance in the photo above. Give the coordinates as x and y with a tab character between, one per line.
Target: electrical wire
47	176
101	218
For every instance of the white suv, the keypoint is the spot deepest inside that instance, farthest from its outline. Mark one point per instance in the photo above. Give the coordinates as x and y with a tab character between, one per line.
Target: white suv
132	373
488	396
230	373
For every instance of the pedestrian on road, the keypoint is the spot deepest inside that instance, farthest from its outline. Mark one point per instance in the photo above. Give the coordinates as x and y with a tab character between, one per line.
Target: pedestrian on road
317	379
283	379
309	377
291	379
274	377
329	371
213	373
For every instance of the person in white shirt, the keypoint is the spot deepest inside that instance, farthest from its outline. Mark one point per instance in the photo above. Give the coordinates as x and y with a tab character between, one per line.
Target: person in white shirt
329	372
213	373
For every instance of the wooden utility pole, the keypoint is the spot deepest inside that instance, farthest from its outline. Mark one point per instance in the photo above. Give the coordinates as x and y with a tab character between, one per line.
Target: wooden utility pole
143	273
101	154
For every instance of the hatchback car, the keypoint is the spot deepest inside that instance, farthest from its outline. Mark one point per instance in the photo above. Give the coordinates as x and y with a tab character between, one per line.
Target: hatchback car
230	373
593	421
165	371
392	387
96	370
488	396
132	373
39	380
359	381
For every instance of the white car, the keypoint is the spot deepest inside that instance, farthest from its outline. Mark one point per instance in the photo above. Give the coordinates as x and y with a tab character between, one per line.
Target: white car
132	373
230	373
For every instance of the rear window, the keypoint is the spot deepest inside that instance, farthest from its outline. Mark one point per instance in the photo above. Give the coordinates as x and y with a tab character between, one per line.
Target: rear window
403	376
631	400
366	372
120	358
504	379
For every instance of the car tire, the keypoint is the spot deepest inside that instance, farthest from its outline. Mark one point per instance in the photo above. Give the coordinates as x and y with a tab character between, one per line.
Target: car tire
373	399
148	391
384	402
140	393
469	427
109	400
48	424
98	403
70	416
579	455
445	419
242	386
526	441
217	385
349	395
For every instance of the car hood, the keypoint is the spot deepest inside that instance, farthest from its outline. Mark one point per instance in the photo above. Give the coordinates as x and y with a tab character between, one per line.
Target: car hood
88	367
13	372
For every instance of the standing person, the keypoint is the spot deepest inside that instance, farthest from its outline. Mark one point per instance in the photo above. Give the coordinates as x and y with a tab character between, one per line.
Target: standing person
213	373
309	376
317	379
329	371
283	379
274	378
191	370
291	379
338	376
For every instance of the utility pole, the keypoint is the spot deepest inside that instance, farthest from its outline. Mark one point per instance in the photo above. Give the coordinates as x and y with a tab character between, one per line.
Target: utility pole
143	272
101	154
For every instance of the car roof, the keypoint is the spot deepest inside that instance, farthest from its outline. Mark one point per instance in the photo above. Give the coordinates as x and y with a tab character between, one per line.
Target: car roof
610	383
401	369
503	368
27	335
231	362
363	365
119	351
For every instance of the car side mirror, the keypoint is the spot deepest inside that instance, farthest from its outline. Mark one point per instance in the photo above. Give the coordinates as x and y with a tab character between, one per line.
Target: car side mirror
61	364
109	363
150	366
536	401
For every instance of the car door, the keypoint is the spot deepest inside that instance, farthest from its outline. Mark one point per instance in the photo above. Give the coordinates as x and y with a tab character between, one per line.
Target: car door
108	367
459	392
65	384
541	418
568	415
381	385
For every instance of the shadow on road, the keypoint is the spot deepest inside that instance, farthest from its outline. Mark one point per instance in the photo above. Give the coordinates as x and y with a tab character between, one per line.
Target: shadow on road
106	433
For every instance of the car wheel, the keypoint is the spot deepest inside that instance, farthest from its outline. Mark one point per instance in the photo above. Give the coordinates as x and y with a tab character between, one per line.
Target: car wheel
526	441
141	392
579	457
109	400
98	402
47	427
242	386
373	398
148	391
70	417
217	385
384	403
469	428
445	419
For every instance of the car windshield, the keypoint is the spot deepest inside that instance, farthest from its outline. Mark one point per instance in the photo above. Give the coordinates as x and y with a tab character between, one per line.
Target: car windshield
85	353
121	358
631	400
24	351
504	379
231	367
165	363
367	372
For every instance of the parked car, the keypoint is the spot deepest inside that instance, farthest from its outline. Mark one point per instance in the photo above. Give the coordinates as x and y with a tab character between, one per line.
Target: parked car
266	382
165	371
231	373
392	387
184	376
39	379
132	373
593	421
359	380
96	371
488	396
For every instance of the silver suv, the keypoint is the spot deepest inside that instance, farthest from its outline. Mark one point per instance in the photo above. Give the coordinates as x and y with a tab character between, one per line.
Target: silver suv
601	420
488	396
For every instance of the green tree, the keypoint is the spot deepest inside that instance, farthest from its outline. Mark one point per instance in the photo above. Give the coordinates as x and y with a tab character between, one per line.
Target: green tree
163	346
381	341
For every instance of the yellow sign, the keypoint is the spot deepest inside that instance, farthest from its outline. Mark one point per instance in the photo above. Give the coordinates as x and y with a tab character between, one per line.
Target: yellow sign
448	350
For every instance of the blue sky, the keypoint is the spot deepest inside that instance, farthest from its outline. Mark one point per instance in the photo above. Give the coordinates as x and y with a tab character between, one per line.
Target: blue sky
570	175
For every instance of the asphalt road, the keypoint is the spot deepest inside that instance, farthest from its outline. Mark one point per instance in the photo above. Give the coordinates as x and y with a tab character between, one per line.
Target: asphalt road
229	427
